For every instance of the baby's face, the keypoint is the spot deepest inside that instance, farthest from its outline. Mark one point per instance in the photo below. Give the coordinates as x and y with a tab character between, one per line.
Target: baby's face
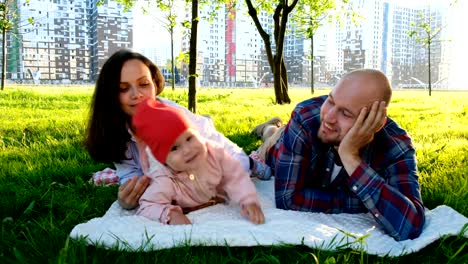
187	151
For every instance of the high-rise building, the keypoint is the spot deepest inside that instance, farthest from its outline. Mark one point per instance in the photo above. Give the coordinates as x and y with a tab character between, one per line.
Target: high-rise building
409	58
211	48
68	40
360	44
252	68
229	47
111	29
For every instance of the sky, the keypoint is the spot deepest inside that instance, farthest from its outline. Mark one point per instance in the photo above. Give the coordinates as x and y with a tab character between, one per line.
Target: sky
458	37
413	3
149	32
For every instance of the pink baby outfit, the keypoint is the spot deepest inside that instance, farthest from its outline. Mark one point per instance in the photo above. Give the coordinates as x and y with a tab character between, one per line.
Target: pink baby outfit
222	176
157	127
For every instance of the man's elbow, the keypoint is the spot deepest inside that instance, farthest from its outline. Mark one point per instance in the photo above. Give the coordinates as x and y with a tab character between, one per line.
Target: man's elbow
416	228
283	202
289	201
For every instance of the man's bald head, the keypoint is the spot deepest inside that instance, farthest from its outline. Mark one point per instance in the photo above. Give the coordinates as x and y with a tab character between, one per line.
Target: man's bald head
373	79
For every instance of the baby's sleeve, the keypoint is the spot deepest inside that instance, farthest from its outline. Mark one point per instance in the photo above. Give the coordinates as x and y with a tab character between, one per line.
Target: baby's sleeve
156	201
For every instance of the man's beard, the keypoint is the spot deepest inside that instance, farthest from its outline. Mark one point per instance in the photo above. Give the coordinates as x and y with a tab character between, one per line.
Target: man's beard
323	139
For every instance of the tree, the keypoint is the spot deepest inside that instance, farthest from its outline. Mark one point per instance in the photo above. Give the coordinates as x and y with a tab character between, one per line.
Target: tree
169	10
168	7
177	75
192	77
309	16
276	61
425	35
6	24
9	22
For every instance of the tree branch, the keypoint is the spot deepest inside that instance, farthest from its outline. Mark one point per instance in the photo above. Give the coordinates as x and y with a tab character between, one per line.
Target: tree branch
266	38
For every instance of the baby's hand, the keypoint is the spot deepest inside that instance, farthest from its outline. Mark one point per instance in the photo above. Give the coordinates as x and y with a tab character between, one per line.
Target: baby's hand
254	213
178	218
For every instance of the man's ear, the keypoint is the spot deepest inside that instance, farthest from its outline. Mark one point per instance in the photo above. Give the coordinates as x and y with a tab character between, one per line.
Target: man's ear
383	124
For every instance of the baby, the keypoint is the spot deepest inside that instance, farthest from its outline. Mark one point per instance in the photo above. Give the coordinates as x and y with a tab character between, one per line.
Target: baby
199	172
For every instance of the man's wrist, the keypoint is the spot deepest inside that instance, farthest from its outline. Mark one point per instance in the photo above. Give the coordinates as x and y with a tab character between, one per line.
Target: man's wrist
350	163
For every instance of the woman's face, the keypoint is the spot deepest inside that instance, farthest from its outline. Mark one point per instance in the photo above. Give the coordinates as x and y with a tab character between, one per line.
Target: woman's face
136	85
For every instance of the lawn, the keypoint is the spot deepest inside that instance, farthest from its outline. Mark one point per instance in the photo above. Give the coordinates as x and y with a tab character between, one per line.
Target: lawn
44	173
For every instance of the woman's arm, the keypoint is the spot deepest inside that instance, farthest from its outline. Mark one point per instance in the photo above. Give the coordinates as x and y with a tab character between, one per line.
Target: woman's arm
206	128
133	182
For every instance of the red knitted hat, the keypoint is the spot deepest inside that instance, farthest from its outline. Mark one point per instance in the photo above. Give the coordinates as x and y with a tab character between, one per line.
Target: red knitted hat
159	125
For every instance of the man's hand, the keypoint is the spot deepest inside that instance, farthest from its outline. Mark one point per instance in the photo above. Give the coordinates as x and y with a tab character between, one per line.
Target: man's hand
178	218
254	213
131	191
361	134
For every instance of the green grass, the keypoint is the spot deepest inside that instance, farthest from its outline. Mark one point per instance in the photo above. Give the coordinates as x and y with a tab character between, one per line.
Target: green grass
44	173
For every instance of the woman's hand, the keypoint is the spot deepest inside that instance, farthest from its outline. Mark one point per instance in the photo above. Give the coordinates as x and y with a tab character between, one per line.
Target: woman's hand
254	213
131	191
178	218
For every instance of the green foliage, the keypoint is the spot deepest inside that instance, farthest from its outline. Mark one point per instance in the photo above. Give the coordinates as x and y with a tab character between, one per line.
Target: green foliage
44	173
183	57
311	14
127	4
422	31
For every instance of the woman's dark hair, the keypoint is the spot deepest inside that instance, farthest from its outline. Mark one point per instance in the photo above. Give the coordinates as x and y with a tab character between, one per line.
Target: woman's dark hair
106	134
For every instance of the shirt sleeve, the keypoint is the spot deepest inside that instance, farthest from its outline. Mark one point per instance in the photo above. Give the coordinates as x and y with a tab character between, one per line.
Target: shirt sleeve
126	169
236	181
395	202
206	128
291	167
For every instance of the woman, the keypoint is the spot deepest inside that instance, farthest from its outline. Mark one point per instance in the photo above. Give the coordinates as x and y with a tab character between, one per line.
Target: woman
126	79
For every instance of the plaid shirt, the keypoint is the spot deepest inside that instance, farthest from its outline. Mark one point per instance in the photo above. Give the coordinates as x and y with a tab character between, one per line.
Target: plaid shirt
385	183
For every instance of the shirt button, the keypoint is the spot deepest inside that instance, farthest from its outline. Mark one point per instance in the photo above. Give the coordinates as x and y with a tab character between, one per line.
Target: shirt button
327	169
376	215
355	188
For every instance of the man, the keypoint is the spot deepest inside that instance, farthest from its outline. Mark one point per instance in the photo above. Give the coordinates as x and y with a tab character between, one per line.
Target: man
341	154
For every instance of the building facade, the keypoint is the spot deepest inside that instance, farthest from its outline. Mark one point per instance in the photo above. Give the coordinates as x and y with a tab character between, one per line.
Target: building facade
67	41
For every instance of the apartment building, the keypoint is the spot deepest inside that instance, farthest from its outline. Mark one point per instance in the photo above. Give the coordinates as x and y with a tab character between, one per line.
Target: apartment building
68	40
229	47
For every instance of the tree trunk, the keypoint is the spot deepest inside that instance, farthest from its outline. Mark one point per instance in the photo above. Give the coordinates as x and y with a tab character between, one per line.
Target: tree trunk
280	78
277	81
284	83
192	100
429	69
4	57
277	64
172	60
312	64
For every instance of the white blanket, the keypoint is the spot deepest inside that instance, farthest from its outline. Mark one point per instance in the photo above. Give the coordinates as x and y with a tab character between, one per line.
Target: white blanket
223	225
